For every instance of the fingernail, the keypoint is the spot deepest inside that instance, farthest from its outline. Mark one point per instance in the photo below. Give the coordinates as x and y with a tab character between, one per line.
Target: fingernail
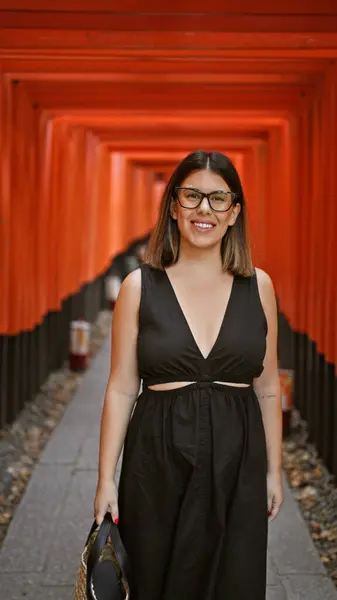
116	521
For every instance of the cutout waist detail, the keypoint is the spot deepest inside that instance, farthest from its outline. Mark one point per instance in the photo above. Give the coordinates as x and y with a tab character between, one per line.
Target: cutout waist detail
196	386
184	387
180	380
175	385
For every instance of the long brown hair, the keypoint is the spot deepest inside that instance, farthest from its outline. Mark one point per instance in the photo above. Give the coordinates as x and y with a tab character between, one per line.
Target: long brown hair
163	248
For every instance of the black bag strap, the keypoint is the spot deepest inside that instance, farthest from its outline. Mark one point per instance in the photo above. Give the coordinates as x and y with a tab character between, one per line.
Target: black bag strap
93	528
106	529
120	552
95	551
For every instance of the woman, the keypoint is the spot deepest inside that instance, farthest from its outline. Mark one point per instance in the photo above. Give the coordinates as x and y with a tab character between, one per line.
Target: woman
202	454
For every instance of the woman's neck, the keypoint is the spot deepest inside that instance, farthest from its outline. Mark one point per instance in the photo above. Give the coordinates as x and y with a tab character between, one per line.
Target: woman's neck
200	258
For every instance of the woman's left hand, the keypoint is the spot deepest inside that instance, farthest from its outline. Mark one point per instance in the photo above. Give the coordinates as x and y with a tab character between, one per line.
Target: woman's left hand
275	494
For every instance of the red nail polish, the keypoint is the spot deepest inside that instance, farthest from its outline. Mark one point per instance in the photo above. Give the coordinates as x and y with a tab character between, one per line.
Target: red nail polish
116	521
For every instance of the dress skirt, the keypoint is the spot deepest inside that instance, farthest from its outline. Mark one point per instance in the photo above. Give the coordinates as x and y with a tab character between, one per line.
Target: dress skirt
193	494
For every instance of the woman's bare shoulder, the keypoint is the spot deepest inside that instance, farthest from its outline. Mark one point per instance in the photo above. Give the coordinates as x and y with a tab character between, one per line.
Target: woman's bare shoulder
264	280
130	291
132	281
266	287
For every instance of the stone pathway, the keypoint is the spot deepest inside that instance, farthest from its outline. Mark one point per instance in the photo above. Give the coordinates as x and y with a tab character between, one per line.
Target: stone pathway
40	556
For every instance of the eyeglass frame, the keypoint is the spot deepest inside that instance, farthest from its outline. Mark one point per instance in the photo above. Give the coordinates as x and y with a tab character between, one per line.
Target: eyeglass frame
234	196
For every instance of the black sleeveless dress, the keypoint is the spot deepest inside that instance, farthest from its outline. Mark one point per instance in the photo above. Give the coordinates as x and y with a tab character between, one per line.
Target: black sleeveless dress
192	493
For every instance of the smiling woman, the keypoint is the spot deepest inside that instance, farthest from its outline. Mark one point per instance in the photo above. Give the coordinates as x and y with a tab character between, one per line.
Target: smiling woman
207	189
202	454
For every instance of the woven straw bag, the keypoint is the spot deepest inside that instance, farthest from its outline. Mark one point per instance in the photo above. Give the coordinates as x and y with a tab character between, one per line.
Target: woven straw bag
104	572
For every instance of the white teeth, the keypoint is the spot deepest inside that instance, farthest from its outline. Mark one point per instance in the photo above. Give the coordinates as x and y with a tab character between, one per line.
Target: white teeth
203	225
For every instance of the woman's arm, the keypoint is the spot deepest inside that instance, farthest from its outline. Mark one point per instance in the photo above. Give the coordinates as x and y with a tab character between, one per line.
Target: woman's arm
268	391
121	392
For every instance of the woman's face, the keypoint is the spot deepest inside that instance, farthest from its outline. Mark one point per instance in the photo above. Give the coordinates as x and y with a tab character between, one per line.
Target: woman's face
203	227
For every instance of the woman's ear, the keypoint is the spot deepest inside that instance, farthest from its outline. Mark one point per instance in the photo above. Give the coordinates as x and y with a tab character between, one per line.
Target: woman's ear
235	214
173	209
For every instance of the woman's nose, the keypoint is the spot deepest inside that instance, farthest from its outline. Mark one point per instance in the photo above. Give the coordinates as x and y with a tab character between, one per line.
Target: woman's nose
204	206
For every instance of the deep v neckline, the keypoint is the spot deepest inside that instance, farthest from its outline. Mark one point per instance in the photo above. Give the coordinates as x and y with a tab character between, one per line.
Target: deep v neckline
191	334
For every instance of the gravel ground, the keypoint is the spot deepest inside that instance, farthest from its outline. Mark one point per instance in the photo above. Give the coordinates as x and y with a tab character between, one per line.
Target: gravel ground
21	444
315	490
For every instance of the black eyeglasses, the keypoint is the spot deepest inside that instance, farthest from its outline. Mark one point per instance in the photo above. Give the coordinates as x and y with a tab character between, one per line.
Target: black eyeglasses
218	201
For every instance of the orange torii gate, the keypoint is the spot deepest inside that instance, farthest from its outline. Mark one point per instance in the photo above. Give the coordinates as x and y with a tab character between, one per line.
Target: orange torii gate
95	101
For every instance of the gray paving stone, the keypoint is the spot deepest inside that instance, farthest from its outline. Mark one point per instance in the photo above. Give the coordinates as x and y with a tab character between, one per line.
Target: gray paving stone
101	368
54	593
65	553
65	444
76	425
88	458
309	587
81	494
93	431
101	362
73	525
277	593
106	346
91	392
272	577
290	543
80	412
31	531
117	476
24	586
19	586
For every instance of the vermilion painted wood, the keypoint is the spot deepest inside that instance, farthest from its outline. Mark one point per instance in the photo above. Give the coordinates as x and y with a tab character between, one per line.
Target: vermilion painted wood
42	64
302	218
322	149
330	325
328	217
314	249
138	96
263	7
84	94
5	199
185	119
248	167
194	22
244	52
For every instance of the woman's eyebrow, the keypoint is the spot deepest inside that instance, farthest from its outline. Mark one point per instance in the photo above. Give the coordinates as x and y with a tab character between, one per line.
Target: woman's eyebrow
201	191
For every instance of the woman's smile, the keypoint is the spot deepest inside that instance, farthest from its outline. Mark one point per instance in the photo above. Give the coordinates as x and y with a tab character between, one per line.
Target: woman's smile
202	225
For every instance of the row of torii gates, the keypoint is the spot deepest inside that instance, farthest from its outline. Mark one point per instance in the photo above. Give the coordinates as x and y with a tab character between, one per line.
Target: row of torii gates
98	102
